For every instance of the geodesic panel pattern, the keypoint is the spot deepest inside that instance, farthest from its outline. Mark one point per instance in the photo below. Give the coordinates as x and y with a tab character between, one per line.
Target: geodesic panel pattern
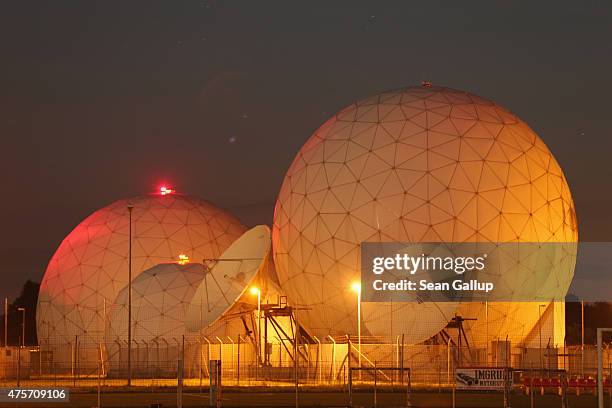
420	164
90	266
160	296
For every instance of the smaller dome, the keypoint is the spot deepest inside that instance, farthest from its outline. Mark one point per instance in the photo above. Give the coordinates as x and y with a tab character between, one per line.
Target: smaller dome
160	296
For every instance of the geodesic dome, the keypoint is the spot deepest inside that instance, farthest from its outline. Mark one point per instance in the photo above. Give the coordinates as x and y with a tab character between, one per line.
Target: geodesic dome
90	266
160	296
419	164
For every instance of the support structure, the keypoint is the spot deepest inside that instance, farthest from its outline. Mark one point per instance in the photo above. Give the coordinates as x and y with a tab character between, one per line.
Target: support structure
457	323
271	313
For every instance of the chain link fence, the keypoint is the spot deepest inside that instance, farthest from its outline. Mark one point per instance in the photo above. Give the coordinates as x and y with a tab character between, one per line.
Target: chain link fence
322	363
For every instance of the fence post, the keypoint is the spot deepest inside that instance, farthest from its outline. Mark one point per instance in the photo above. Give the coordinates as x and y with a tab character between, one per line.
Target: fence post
76	357
564	403
531	391
256	356
214	399
19	362
146	356
207	355
296	357
179	386
157	360
402	354
439	372
350	387
201	360
99	370
221	353
508	373
448	361
319	359
180	373
409	390
453	390
71	359
233	357
238	365
136	366
348	352
375	385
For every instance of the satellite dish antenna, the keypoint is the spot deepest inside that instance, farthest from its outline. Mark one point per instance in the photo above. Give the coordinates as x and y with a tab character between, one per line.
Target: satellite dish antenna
227	279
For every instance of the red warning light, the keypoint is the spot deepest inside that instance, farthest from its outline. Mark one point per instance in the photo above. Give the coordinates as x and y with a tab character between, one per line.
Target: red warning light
163	190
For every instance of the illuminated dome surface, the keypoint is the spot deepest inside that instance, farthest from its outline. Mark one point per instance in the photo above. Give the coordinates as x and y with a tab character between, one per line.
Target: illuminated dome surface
160	297
90	267
420	164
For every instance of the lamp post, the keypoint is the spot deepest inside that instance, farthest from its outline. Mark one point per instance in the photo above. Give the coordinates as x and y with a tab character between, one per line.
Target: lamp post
356	287
22	310
257	291
130	207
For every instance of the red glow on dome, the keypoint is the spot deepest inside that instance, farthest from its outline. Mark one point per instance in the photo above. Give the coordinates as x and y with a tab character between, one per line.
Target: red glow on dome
163	190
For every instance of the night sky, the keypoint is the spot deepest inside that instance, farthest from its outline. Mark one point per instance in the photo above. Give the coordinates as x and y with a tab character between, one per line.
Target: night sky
103	100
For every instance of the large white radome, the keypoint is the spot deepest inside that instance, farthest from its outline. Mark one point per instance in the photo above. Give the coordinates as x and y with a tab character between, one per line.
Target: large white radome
420	164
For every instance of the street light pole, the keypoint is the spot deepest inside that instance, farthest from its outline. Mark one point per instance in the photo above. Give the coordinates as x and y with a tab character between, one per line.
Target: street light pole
22	310
259	323
130	207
